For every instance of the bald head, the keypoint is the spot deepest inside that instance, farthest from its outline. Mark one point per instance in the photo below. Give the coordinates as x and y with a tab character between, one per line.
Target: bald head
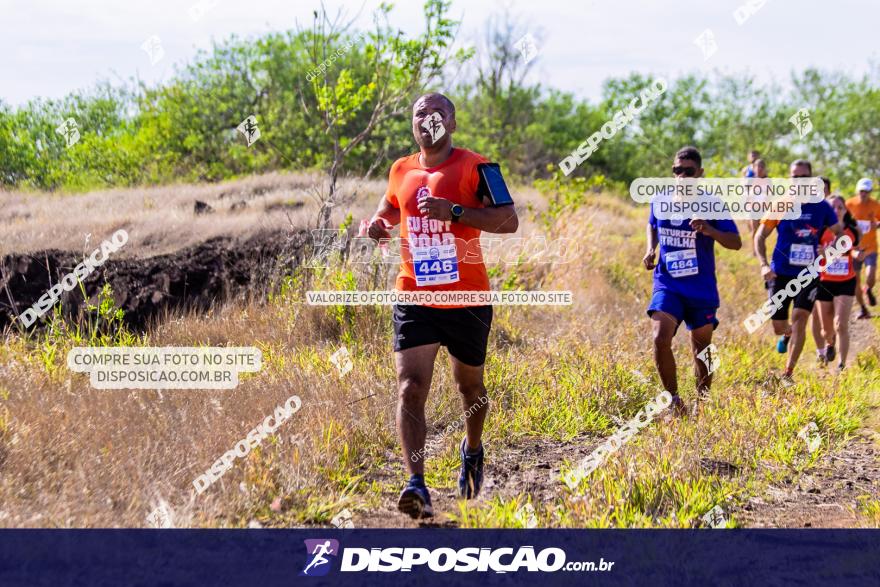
436	96
433	121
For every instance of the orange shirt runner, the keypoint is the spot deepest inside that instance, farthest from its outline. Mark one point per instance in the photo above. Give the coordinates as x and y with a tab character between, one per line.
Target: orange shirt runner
867	214
438	255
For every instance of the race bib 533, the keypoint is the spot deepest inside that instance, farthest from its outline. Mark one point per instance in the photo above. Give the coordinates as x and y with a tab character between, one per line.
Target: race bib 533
801	255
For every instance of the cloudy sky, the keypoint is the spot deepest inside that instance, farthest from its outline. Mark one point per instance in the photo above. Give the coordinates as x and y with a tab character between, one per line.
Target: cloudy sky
51	47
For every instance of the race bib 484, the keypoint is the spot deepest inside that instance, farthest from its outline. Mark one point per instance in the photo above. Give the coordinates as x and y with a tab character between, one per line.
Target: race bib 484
682	263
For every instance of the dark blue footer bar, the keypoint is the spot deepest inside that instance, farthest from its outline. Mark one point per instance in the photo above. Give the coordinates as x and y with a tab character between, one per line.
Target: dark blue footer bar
422	558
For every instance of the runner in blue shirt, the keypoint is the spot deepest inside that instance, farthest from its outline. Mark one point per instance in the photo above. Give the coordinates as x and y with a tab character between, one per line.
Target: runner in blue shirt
684	282
797	245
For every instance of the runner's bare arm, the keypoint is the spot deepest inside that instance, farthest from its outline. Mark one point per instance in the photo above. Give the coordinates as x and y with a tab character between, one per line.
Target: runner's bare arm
648	259
497	220
388	213
728	240
761	250
500	220
857	249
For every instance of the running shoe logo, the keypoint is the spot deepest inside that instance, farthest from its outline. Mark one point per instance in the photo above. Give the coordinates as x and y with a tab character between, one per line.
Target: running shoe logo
317	550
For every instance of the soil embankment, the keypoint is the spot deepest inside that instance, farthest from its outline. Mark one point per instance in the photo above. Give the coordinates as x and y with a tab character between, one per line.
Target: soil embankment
192	278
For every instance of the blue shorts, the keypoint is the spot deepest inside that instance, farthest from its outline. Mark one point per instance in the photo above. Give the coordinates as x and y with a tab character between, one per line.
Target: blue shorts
695	313
868	261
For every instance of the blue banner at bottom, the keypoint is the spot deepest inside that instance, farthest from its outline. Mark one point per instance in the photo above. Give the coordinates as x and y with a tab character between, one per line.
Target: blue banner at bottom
267	558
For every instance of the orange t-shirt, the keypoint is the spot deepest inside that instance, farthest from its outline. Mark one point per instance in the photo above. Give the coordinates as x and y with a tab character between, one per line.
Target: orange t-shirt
842	269
438	255
867	214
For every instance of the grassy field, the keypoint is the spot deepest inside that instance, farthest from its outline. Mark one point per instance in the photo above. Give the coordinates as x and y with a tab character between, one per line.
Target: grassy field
561	379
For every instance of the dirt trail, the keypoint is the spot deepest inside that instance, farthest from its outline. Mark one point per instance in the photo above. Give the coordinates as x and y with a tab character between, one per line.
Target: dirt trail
824	497
827	496
528	466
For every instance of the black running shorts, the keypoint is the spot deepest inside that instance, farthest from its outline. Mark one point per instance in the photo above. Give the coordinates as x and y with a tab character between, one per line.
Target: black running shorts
804	300
463	331
828	290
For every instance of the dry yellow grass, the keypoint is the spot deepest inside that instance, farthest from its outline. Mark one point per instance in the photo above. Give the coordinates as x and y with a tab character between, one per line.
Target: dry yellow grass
161	220
73	456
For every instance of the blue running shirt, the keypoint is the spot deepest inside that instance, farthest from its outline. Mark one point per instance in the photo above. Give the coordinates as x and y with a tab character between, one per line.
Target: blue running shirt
687	259
798	240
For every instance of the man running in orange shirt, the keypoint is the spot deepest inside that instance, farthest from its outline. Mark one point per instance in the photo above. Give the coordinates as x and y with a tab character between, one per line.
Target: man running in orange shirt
866	211
433	195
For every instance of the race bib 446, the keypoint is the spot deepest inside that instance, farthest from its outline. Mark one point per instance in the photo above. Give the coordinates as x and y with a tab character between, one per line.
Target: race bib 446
435	265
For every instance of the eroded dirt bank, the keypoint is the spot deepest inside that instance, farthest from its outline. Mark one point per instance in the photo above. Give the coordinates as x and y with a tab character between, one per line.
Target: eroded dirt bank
195	277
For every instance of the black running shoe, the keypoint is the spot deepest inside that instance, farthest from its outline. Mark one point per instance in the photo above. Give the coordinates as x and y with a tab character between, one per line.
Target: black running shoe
830	353
470	478
415	500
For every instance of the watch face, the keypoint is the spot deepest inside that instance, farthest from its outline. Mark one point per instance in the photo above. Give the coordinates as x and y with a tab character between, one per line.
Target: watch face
457	210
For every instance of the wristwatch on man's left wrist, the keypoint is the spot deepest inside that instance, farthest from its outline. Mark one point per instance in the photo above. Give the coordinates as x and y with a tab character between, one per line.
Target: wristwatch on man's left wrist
456	210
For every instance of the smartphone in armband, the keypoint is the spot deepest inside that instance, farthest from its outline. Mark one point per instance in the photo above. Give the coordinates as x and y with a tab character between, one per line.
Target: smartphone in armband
492	185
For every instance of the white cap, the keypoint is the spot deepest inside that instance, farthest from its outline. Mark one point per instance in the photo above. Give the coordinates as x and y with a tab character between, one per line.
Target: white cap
864	185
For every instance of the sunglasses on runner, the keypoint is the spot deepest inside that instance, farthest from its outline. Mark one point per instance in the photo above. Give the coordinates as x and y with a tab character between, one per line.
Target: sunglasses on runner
687	171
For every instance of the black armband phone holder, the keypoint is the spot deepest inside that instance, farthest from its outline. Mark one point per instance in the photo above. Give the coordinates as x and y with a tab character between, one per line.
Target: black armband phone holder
492	185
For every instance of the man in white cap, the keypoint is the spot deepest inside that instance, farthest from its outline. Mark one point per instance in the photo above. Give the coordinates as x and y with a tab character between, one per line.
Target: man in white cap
866	211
